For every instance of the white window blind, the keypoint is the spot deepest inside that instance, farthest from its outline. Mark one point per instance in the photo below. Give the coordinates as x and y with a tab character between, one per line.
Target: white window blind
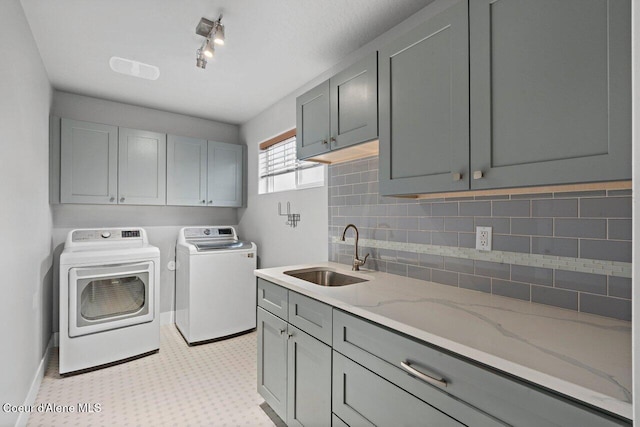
280	170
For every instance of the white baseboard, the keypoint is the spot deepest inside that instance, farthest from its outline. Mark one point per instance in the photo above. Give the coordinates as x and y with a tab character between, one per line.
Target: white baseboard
167	318
35	384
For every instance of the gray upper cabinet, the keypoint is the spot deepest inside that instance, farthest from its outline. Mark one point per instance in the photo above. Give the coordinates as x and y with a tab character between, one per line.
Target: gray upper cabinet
142	163
224	182
550	91
88	163
312	122
340	112
354	104
186	171
424	106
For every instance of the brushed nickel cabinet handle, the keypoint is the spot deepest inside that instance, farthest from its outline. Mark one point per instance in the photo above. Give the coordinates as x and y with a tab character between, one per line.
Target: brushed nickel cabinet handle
333	139
121	199
282	331
478	174
434	380
112	199
457	176
324	141
289	335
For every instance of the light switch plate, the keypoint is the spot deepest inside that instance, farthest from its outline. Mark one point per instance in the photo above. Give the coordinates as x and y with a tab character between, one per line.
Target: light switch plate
483	238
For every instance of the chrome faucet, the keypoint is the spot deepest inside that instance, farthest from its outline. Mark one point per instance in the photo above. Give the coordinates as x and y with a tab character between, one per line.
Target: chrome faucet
357	262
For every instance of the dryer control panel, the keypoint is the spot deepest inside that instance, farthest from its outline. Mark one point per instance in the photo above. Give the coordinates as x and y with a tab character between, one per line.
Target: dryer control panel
101	235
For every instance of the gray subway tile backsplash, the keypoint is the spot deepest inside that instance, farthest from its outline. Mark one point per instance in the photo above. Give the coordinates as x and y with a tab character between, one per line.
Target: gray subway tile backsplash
584	282
537	275
511	208
593	228
606	207
532	226
554	246
555	208
604	306
609	250
553	296
581	226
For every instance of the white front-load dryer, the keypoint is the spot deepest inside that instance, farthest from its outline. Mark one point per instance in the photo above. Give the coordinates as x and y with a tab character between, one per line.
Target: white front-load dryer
215	284
109	297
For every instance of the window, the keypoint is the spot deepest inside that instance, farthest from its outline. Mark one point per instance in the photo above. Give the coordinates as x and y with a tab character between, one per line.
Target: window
279	169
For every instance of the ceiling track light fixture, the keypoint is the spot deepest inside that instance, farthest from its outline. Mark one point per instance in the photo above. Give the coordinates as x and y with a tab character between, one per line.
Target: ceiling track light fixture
213	31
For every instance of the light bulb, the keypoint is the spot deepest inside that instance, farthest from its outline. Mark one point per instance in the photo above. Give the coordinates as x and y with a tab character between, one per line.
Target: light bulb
218	36
208	49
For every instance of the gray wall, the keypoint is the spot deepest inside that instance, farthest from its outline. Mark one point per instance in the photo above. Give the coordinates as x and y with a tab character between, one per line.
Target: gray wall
25	217
162	223
571	250
279	244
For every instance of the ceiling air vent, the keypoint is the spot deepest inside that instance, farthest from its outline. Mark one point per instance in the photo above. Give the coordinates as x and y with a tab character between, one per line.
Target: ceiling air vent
134	68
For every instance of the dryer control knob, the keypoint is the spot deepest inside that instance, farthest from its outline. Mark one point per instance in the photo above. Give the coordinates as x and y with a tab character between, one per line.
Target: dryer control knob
106	234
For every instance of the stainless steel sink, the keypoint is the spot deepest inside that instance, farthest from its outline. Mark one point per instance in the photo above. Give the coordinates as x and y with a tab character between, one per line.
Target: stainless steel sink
324	277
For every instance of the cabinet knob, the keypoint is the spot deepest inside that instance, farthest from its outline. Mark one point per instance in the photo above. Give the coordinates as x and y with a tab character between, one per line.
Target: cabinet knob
333	139
210	201
121	199
457	176
282	331
203	202
478	174
112	199
289	335
324	141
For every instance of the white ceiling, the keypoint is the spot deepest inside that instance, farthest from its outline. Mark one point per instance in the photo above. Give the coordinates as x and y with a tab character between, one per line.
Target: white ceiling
272	48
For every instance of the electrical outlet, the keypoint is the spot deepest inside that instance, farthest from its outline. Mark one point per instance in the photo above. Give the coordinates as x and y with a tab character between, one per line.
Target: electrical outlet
483	238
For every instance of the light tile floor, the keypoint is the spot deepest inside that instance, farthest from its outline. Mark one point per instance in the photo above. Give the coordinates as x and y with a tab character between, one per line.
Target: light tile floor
207	385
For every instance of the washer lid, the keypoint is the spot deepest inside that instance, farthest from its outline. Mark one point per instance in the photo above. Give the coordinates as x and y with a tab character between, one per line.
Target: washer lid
214	245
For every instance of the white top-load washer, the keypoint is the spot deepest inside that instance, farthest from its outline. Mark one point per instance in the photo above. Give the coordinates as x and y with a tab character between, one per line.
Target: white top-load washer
215	285
109	297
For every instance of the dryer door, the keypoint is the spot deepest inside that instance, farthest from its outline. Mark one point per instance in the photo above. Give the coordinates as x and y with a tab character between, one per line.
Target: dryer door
110	297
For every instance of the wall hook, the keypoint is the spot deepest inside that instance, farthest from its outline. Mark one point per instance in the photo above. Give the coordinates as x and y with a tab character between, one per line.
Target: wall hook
292	218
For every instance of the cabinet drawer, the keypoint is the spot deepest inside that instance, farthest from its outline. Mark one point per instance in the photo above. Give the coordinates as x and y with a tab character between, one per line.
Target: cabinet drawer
311	316
362	398
273	298
512	401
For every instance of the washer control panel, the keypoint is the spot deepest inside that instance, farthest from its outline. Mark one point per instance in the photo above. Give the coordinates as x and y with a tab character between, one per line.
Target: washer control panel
196	232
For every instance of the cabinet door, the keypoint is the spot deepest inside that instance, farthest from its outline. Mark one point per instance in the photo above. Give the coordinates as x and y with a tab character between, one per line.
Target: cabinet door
550	91
424	107
312	122
272	361
362	398
88	163
308	381
186	171
142	167
224	182
354	103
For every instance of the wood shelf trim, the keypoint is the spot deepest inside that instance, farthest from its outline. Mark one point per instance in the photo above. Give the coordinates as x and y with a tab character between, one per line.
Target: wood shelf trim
278	138
564	188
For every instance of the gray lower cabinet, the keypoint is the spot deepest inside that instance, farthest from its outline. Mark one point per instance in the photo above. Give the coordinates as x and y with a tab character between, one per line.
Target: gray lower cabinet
340	112
308	380
294	367
272	361
471	394
362	398
424	107
88	163
550	91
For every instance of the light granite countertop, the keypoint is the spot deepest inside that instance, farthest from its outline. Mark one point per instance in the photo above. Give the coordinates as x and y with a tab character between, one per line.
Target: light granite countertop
583	356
